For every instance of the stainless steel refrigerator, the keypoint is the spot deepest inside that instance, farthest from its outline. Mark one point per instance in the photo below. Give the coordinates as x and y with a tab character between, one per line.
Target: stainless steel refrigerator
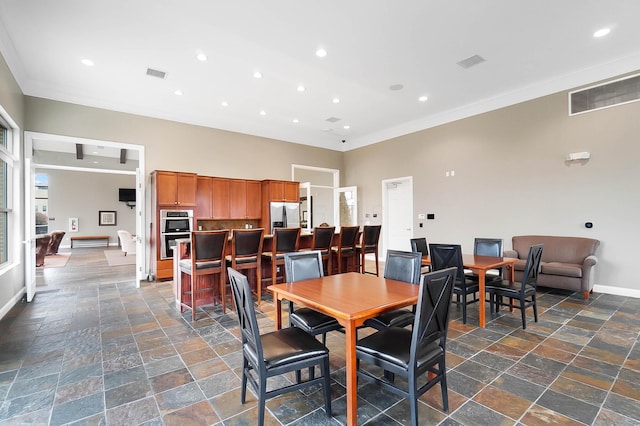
285	215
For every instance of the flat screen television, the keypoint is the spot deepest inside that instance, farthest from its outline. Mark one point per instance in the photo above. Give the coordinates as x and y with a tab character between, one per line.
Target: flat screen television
127	195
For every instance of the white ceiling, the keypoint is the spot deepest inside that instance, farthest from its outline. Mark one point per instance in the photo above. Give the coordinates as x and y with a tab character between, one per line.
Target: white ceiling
532	48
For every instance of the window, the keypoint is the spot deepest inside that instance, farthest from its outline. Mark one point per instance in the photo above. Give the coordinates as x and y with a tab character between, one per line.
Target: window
6	172
42	201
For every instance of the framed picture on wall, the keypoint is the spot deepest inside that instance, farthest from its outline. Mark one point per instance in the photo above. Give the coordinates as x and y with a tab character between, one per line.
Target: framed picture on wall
107	218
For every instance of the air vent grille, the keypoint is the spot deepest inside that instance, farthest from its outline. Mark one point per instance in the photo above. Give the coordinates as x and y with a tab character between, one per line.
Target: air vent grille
156	73
618	92
471	61
333	119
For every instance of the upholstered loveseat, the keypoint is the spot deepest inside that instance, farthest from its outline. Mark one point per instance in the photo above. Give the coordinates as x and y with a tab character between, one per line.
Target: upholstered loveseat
566	263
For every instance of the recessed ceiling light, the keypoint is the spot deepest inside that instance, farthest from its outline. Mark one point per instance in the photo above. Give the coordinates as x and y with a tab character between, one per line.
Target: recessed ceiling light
301	88
423	98
257	74
336	100
178	93
321	53
295	120
224	103
202	57
601	32
95	162
87	62
346	127
263	112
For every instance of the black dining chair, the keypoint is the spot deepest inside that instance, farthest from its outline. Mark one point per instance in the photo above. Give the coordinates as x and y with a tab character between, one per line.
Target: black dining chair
487	247
305	265
420	245
415	354
206	259
399	266
523	291
275	353
450	255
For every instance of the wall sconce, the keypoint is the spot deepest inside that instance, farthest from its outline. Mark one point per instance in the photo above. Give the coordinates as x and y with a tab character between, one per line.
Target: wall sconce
576	156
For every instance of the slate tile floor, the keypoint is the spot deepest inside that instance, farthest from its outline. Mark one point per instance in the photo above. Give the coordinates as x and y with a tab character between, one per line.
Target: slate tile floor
91	349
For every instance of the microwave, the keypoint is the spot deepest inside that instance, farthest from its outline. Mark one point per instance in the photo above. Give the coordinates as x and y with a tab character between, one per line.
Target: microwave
176	221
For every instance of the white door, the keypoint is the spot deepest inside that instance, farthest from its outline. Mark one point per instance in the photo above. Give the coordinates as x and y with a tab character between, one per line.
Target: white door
29	223
306	206
397	214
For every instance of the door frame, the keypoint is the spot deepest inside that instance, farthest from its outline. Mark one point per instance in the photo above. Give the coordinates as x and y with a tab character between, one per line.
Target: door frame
141	256
386	228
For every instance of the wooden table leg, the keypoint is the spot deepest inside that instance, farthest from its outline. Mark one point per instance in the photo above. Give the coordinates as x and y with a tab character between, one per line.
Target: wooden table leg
278	311
481	308
352	381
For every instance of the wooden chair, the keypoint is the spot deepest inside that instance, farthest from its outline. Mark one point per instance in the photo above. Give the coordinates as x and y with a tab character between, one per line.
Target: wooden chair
275	353
207	254
370	239
285	240
246	254
417	355
322	241
345	252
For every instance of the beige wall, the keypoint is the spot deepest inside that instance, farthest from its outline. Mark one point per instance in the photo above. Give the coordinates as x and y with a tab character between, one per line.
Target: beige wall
12	276
82	195
511	179
175	146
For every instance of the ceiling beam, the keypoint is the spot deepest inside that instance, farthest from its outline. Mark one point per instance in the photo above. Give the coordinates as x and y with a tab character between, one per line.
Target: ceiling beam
123	156
79	154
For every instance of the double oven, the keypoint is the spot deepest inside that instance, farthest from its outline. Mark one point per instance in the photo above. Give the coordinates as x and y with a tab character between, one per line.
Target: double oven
174	225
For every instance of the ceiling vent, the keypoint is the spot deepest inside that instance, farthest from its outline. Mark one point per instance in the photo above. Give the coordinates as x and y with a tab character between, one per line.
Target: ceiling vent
156	73
471	61
333	119
613	93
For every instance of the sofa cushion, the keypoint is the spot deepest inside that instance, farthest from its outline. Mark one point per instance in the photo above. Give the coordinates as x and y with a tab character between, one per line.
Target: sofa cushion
564	269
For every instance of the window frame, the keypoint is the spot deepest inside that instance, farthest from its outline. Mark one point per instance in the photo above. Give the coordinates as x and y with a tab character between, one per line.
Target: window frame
9	158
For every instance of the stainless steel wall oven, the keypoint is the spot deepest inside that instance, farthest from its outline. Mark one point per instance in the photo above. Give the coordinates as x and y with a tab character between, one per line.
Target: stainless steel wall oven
174	224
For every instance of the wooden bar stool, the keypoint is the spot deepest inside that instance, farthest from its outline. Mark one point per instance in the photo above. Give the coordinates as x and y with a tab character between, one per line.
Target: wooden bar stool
246	253
285	240
322	241
345	252
370	238
207	254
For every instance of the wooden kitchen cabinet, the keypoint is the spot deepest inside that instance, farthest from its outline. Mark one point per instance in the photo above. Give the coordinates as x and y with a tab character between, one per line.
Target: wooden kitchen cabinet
244	199
220	190
278	190
203	197
175	188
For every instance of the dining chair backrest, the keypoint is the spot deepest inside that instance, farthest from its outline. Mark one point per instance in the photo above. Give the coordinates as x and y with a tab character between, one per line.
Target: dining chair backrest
371	236
446	256
488	247
208	246
432	312
532	267
323	237
247	242
303	265
348	236
420	245
286	239
403	266
246	314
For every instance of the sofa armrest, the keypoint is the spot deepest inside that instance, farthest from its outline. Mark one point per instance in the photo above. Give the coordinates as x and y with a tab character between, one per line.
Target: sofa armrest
510	253
589	261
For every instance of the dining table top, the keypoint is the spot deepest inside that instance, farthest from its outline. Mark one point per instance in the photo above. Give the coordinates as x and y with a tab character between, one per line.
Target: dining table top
475	261
350	296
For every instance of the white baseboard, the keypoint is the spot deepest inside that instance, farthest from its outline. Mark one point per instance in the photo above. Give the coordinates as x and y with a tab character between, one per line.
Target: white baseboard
618	291
11	303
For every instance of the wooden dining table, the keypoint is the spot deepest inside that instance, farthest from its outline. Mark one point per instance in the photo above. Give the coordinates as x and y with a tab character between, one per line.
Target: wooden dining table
480	265
351	298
